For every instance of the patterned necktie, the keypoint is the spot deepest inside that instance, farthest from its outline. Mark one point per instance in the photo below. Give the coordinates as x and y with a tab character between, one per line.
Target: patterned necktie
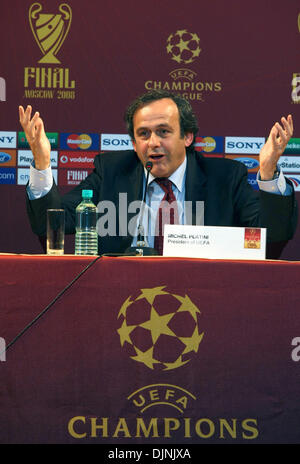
167	213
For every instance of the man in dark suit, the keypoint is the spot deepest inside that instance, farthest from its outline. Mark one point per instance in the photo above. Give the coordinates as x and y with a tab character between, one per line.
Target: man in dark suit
163	128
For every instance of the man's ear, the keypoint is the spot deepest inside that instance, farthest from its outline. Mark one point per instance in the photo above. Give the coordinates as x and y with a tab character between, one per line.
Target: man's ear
188	138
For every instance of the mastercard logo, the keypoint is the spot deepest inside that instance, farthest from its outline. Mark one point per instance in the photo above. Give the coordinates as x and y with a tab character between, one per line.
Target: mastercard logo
206	144
82	141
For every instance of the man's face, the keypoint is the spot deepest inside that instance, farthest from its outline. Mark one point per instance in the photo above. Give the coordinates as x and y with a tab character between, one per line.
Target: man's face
157	137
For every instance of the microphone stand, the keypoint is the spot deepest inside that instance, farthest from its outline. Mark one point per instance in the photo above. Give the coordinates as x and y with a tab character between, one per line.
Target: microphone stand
142	248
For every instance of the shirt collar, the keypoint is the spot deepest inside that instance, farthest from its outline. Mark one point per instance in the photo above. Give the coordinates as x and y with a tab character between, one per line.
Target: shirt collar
177	178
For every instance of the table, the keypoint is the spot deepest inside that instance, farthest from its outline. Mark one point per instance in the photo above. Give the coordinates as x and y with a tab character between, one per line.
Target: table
149	350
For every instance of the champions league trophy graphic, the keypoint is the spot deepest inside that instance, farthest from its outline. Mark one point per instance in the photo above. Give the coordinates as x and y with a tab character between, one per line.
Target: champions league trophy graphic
50	30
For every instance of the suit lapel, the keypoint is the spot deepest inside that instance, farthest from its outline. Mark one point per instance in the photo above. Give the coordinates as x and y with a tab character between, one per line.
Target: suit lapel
195	184
135	179
130	182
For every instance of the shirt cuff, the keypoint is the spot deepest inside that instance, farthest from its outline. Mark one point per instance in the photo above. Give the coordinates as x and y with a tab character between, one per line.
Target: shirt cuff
277	185
40	182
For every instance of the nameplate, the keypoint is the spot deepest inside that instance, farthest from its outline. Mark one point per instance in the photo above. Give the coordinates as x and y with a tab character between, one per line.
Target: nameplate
214	242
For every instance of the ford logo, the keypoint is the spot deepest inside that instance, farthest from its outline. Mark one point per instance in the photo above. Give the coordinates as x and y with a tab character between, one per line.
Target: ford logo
4	157
250	163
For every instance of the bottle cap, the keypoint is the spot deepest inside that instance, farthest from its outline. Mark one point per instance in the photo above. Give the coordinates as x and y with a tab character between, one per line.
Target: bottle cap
87	193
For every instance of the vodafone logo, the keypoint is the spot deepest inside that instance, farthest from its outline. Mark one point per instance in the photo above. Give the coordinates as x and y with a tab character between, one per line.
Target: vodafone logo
71	159
64	159
82	141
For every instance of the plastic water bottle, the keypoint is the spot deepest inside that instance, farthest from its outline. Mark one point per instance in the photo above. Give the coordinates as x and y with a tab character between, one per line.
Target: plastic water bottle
86	237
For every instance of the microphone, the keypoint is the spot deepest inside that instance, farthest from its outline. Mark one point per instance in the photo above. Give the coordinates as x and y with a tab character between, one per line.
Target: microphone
142	247
141	241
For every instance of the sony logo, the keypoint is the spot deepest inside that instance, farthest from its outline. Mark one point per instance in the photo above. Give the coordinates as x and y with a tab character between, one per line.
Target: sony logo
247	145
116	142
7	139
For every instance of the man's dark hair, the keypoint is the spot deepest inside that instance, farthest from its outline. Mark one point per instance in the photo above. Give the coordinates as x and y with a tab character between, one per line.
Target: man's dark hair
187	118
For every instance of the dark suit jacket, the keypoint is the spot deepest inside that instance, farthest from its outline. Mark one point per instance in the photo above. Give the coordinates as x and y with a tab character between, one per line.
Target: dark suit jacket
221	183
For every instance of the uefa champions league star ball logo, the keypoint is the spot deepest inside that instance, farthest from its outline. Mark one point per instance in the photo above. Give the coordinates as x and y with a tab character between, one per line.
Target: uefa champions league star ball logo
160	329
183	46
